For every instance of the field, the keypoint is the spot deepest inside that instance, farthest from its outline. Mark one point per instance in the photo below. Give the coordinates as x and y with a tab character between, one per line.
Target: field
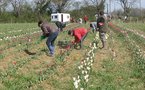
24	64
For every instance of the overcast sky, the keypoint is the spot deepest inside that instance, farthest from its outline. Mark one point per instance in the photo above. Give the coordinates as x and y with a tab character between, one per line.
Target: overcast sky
115	5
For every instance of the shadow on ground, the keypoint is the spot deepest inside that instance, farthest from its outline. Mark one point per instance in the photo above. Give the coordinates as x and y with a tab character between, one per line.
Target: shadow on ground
29	52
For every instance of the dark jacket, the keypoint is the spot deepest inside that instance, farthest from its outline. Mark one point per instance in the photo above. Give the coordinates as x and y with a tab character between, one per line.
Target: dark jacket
60	25
101	24
47	29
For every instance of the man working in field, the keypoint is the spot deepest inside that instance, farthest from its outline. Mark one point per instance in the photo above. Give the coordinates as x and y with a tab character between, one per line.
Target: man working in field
79	35
101	25
85	19
93	26
60	25
51	32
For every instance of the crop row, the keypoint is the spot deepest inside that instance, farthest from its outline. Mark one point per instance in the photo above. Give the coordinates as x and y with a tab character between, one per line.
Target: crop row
84	69
18	36
137	52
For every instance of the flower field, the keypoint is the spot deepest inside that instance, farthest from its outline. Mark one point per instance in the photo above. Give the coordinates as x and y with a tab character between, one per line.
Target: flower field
24	64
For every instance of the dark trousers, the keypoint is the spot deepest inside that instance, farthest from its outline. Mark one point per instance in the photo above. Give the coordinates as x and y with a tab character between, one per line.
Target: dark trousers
50	42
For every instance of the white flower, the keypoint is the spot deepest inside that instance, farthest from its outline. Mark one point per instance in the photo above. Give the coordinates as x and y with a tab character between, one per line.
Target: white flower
95	47
74	78
90	44
87	80
91	64
76	84
87	58
91	60
86	72
93	55
79	67
83	72
88	68
107	36
29	40
94	44
86	77
84	62
78	80
78	76
81	88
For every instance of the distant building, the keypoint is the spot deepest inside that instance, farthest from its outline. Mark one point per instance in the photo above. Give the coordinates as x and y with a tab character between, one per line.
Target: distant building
62	17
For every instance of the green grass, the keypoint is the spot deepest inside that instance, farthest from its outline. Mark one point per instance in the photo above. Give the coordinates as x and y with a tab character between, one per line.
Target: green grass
1	56
136	64
132	25
112	74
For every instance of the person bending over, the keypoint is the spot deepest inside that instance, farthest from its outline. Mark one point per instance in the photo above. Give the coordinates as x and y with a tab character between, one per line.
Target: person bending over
51	32
79	35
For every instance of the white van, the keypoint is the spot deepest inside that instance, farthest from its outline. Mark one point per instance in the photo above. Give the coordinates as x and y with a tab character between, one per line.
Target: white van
62	17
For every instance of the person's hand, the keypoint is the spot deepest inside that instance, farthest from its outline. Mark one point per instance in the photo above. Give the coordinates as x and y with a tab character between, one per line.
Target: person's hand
68	47
73	42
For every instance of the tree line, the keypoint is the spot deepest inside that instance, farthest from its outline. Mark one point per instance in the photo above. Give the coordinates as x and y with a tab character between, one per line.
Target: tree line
33	10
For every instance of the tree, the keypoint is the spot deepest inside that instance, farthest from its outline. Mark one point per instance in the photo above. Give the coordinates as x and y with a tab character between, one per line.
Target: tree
76	5
3	5
59	5
127	5
41	6
17	6
98	4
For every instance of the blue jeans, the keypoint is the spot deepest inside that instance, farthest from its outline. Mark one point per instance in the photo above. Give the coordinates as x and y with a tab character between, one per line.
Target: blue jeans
50	42
94	26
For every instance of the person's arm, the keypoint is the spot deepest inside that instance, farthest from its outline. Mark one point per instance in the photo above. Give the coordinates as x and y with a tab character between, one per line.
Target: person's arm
77	38
45	31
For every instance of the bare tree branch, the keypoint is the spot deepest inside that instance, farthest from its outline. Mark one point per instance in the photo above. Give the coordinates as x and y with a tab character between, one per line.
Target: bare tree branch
126	5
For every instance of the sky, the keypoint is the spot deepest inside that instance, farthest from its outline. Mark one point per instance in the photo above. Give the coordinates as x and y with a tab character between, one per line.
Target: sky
115	5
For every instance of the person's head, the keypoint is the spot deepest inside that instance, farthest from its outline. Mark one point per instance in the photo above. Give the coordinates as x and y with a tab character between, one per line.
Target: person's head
70	32
101	13
40	23
91	26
